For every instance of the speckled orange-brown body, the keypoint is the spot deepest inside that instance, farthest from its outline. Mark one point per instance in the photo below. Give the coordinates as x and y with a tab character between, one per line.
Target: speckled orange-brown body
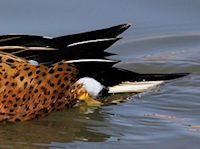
28	91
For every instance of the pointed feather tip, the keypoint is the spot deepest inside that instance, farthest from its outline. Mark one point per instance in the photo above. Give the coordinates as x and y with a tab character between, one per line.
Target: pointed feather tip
118	29
123	27
126	26
114	39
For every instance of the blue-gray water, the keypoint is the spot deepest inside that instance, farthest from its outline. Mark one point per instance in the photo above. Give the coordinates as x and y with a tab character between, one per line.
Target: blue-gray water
164	37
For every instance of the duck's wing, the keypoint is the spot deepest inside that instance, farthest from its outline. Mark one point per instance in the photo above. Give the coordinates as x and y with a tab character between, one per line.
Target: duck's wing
106	74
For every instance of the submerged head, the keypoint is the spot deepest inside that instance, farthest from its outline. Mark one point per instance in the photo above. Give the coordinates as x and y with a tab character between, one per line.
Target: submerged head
92	86
91	90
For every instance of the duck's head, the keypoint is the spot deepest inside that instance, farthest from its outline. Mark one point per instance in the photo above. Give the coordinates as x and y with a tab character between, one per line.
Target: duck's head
91	90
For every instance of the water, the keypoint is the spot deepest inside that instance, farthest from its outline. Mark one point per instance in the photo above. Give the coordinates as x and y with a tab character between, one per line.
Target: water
164	38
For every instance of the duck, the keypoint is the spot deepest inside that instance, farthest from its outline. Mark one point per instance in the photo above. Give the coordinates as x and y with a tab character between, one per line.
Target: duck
39	75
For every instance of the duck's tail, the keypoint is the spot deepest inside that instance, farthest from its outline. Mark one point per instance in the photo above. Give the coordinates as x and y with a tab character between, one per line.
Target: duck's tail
89	45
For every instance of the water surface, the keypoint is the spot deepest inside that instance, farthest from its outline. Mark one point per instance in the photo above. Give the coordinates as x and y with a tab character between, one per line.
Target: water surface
165	38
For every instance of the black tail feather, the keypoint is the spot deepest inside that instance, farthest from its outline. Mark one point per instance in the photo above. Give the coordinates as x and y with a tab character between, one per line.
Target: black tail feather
111	32
78	46
88	50
57	42
24	40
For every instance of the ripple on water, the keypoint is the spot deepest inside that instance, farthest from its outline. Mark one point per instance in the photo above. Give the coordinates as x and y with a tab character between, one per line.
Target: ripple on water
165	117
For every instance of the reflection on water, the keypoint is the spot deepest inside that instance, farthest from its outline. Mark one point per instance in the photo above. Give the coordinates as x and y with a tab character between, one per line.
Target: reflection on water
66	126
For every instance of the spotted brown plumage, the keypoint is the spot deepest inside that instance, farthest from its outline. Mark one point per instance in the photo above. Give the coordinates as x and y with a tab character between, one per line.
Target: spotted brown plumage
28	91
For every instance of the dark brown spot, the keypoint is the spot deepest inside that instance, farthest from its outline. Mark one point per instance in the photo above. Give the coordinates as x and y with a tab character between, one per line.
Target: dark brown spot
60	69
36	90
6	76
59	82
39	95
13	95
31	80
37	72
17	120
48	93
30	73
13	84
63	85
16	75
11	110
43	89
43	74
6	83
53	97
52	84
24	115
5	96
66	78
15	105
3	101
24	99
13	67
27	68
68	69
27	108
10	60
39	82
21	78
67	87
55	91
57	75
31	87
51	71
17	99
29	98
25	85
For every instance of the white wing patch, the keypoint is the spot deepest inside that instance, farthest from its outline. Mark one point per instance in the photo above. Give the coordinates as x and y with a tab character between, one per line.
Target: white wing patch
136	87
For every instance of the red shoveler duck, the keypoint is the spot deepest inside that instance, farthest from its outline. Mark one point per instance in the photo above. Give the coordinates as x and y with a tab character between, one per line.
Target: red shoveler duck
39	75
